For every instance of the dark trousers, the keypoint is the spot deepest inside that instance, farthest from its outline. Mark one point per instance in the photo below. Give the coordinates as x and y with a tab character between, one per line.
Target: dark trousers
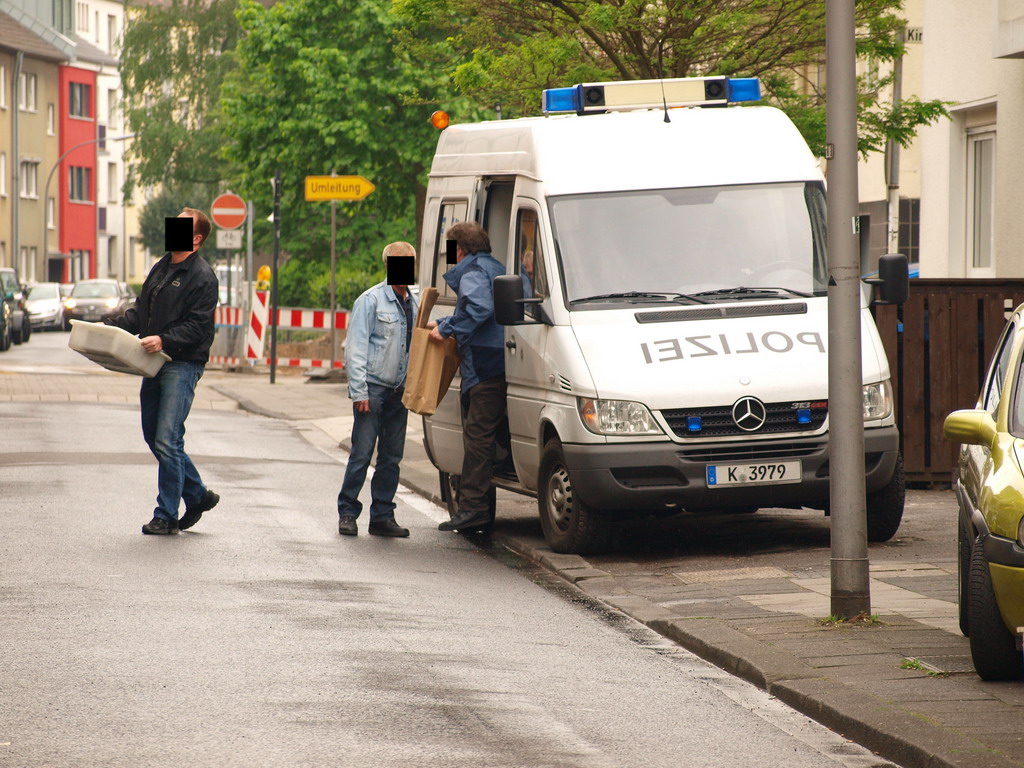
483	419
384	426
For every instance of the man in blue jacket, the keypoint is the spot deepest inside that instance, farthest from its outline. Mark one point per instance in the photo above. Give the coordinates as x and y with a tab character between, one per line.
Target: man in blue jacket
376	361
481	347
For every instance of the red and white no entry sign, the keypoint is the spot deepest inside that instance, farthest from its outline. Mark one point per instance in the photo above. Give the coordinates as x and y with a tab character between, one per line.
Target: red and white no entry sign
228	211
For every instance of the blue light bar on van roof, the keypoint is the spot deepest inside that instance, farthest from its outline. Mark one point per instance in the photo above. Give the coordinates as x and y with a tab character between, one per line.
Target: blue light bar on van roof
651	94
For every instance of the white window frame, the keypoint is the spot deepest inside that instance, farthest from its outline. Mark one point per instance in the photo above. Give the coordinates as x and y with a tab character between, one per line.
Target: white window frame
27	87
3	86
51	119
84	91
3	174
51	211
84	181
979	209
29	180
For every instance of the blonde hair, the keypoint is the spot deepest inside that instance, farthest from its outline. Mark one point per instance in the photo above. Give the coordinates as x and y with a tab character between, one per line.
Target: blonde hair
398	248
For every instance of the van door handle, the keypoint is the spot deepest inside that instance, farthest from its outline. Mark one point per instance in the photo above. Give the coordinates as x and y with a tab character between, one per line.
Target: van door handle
510	345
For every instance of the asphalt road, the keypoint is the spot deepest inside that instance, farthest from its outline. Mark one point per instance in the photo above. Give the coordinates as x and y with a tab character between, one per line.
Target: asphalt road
263	638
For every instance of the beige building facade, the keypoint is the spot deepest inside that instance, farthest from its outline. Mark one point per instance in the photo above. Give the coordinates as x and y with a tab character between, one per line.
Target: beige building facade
28	147
972	165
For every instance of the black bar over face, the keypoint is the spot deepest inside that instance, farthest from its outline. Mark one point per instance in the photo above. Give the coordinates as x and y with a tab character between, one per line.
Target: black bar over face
401	270
451	248
178	233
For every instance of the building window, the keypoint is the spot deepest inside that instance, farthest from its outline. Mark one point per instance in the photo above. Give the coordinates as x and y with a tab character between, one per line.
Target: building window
30	179
112	183
27	92
3	87
910	229
81	184
112	34
101	135
80	100
49	119
112	107
96	27
82	9
101	218
3	174
51	207
981	153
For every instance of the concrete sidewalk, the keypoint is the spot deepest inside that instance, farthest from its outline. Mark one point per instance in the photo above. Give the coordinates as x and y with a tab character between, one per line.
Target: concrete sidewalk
904	687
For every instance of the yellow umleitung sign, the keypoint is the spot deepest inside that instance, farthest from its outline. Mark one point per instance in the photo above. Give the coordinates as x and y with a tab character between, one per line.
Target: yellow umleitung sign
337	187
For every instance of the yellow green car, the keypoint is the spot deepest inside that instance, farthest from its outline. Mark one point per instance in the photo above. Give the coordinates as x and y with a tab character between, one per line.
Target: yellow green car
990	492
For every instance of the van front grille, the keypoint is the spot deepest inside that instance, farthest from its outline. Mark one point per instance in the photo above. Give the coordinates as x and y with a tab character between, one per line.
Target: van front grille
718	422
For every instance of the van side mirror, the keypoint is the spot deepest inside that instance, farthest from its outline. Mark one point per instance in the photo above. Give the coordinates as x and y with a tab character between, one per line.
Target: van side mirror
509	301
893	279
508	293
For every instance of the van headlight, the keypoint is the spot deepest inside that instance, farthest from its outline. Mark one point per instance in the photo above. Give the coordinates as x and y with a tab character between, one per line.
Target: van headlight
877	401
616	417
1020	532
70	304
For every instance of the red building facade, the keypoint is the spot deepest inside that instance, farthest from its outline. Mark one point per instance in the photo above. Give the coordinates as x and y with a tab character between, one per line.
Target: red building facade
76	194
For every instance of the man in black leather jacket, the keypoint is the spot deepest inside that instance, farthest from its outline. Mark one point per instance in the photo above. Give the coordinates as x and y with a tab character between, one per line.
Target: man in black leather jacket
174	314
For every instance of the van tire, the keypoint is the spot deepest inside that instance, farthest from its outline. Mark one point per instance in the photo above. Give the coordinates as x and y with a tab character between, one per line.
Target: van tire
5	337
963	574
570	526
993	647
885	506
450	495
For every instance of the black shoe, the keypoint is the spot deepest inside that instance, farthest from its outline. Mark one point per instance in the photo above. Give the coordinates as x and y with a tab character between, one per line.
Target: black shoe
158	526
470	521
347	526
192	514
388	528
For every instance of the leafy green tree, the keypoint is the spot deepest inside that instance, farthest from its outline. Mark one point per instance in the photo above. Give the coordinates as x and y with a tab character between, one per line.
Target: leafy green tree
508	51
324	85
174	58
168	202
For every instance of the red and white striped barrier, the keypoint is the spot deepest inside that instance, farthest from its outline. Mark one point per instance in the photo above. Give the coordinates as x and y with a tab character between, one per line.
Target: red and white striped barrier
288	318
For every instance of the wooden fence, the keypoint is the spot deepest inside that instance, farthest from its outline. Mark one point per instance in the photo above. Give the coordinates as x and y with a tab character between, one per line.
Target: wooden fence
938	345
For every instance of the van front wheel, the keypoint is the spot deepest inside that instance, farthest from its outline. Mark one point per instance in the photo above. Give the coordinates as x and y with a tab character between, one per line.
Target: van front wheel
570	526
885	506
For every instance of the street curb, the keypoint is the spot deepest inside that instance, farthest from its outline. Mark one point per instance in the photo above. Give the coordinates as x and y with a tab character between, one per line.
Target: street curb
248	405
884	728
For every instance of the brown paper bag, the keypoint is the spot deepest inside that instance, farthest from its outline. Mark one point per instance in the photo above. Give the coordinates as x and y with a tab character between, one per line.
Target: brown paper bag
431	366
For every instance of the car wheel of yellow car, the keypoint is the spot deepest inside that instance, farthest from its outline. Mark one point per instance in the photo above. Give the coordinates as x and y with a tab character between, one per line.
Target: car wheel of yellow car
963	574
993	647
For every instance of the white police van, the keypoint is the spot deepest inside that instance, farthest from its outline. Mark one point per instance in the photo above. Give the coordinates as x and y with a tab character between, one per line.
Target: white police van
665	308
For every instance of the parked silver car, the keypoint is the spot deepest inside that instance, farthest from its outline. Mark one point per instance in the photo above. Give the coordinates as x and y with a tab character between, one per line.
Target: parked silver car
45	306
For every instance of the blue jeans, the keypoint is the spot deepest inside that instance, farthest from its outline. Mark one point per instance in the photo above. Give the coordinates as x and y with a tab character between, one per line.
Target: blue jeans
166	400
385	426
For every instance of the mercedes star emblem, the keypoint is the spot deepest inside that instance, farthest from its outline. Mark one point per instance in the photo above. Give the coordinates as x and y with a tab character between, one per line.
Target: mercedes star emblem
749	414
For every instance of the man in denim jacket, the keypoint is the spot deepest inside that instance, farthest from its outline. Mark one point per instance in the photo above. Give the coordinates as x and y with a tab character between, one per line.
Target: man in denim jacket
376	360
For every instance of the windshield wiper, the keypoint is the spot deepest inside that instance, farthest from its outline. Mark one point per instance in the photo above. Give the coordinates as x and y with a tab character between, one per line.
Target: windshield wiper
662	295
741	291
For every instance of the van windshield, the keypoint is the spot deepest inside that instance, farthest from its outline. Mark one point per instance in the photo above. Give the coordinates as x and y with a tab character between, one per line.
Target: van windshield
693	240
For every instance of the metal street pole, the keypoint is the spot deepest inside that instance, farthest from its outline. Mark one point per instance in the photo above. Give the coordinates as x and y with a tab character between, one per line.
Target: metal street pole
273	277
49	178
850	585
892	158
334	262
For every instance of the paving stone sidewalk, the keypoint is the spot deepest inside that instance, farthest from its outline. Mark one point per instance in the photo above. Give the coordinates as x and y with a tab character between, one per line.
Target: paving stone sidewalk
903	687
